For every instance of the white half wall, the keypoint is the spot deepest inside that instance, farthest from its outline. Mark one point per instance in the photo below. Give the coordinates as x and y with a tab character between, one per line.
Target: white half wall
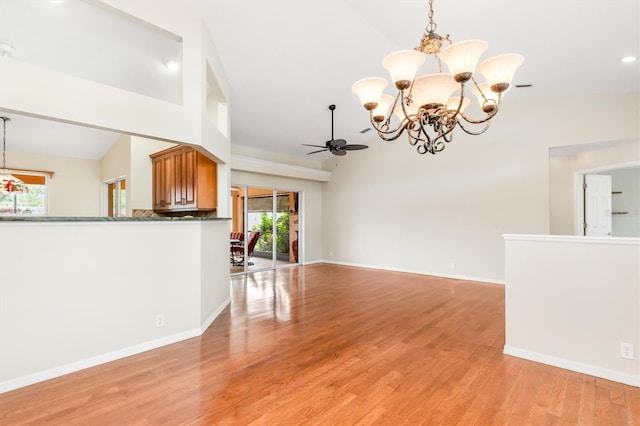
571	301
78	294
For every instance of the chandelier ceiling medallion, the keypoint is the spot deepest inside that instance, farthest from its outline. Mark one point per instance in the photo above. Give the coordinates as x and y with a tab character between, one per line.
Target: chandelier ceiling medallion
429	107
9	184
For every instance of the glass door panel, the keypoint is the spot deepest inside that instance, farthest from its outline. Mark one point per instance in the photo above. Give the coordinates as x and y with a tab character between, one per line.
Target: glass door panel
260	220
268	222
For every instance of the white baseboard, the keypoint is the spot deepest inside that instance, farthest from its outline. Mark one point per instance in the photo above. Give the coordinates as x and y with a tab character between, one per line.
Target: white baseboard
72	367
214	315
412	271
592	370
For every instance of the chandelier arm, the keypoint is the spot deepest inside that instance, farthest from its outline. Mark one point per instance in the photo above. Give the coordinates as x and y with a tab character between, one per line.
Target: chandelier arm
424	132
467	131
387	135
393	136
422	144
458	110
489	116
437	142
406	101
422	149
486	104
387	120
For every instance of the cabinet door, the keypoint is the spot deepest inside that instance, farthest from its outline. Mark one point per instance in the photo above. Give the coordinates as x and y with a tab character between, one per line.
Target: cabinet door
178	178
184	188
162	167
190	186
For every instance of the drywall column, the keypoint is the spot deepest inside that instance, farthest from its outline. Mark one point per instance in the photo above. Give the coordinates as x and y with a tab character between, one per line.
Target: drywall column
571	301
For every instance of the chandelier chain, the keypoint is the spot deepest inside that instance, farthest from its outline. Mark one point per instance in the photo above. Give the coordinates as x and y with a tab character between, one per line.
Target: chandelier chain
4	142
431	27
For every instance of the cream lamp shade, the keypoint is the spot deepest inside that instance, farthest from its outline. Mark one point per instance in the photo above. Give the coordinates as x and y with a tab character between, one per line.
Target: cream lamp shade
402	66
462	57
369	90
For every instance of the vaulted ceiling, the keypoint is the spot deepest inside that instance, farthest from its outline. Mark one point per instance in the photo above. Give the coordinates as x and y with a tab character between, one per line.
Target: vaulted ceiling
287	60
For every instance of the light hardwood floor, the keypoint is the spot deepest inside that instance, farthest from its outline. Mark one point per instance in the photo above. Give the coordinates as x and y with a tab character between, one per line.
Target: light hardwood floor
334	345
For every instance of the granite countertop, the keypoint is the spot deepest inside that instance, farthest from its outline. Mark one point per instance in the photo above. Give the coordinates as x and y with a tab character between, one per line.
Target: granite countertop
108	219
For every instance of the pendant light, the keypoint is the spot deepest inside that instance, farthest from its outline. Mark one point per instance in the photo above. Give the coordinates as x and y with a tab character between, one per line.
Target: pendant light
9	184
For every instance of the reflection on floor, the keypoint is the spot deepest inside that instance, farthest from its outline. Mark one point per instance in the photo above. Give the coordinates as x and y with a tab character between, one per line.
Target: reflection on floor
257	264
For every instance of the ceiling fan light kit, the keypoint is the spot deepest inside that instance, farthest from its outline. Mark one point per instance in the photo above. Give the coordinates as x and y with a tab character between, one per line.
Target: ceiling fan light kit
429	107
337	147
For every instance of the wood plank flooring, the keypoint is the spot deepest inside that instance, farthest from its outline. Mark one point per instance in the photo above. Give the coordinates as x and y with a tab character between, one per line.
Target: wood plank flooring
334	345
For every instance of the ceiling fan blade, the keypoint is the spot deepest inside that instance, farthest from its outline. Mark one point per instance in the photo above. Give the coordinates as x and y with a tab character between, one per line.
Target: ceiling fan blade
339	152
320	150
315	146
354	147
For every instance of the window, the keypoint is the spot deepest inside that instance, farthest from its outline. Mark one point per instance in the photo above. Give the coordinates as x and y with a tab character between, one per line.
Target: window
32	202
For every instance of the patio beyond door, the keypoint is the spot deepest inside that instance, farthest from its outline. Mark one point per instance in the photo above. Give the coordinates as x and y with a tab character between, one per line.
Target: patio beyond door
274	214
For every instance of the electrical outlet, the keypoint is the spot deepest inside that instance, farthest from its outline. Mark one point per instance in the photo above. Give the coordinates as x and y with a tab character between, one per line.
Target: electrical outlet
626	350
160	320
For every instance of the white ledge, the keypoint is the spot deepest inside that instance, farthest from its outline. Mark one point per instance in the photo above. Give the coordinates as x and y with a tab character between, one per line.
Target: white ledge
253	165
625	241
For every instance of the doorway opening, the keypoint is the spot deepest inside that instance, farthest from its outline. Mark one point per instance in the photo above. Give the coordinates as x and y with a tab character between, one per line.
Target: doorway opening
607	201
265	228
116	193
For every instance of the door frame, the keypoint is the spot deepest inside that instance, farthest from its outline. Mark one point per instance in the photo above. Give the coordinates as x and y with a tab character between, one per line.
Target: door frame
301	224
107	195
578	191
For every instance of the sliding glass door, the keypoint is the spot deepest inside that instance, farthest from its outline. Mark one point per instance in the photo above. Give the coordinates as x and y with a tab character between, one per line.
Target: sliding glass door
267	223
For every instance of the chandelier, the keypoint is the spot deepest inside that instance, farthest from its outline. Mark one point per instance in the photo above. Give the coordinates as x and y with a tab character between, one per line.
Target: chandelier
429	107
9	184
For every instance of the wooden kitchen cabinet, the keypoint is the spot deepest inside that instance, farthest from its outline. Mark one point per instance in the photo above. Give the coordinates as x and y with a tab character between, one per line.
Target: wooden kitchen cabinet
183	180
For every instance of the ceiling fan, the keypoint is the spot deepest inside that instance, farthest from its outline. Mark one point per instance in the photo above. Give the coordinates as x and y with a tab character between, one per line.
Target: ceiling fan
336	146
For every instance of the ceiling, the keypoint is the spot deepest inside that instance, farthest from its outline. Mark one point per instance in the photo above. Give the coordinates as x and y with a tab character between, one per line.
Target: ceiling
287	61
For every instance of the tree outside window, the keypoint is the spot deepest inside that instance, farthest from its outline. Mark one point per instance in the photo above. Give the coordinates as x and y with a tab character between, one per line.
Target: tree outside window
32	202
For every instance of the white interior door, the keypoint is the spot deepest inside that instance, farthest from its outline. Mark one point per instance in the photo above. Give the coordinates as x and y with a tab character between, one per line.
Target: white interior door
597	205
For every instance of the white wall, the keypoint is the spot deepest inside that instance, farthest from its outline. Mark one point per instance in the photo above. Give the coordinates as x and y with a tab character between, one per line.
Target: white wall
627	182
98	287
570	301
392	208
75	187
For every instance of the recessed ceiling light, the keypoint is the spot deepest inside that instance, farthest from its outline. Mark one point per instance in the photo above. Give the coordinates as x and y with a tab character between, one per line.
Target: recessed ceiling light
172	64
7	51
629	59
